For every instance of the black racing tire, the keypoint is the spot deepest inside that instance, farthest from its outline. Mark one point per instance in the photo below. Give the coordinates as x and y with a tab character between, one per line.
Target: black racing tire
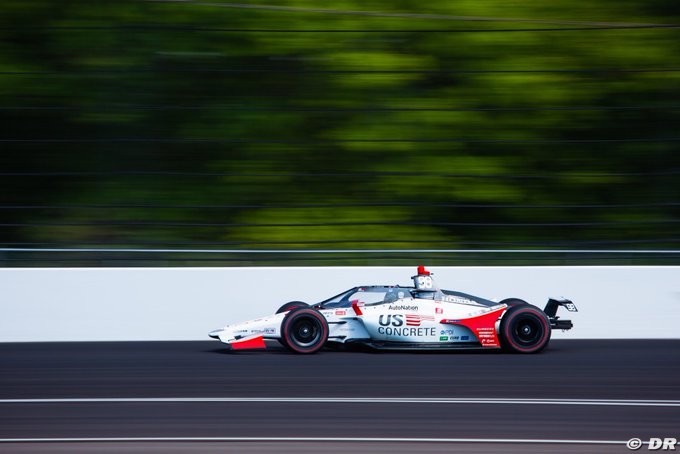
291	305
524	329
513	302
304	330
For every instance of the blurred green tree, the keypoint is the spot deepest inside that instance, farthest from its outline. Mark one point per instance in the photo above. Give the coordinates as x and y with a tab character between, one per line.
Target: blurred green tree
358	125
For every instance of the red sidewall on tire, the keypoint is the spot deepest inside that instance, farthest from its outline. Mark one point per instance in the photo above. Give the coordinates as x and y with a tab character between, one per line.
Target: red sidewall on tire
525	329
304	330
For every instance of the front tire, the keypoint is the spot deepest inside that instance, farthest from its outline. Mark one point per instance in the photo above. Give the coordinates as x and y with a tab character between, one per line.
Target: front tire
524	329
304	330
291	305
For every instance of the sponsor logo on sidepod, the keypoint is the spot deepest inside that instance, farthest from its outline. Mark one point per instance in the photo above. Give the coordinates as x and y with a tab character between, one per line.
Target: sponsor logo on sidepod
393	325
402	307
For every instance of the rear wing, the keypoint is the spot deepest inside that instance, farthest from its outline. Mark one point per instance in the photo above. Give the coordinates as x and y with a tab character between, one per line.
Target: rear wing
551	311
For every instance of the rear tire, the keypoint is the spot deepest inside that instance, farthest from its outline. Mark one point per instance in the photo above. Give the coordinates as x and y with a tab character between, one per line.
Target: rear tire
513	302
291	305
524	329
304	330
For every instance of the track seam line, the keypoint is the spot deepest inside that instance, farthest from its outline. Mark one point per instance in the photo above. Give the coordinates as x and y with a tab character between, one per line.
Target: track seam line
311	439
351	400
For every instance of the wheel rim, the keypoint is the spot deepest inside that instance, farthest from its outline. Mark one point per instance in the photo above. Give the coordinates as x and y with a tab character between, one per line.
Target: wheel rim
305	332
528	331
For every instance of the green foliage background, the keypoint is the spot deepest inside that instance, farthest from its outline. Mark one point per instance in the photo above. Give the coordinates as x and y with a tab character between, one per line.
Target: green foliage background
344	125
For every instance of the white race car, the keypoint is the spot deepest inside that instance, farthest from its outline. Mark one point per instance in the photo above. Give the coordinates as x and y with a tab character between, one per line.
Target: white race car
421	317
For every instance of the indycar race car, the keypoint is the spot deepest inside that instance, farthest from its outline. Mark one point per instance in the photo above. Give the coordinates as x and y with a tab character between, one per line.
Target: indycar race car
421	317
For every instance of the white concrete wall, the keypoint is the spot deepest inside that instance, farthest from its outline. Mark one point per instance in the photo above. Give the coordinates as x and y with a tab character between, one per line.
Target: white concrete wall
102	304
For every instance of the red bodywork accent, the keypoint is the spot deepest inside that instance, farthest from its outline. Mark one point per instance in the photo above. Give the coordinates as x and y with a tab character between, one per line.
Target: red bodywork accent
483	326
357	309
422	271
249	343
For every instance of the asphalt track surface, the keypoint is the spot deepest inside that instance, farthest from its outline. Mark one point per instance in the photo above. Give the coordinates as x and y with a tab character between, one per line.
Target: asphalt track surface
577	396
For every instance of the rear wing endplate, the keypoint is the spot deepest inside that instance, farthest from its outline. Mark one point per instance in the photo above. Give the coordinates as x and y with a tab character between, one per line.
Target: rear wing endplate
551	311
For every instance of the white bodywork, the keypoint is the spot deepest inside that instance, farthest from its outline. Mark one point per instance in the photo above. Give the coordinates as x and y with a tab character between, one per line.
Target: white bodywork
422	316
406	319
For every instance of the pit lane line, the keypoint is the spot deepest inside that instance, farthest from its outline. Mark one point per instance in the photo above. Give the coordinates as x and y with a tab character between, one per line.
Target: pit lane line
356	400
